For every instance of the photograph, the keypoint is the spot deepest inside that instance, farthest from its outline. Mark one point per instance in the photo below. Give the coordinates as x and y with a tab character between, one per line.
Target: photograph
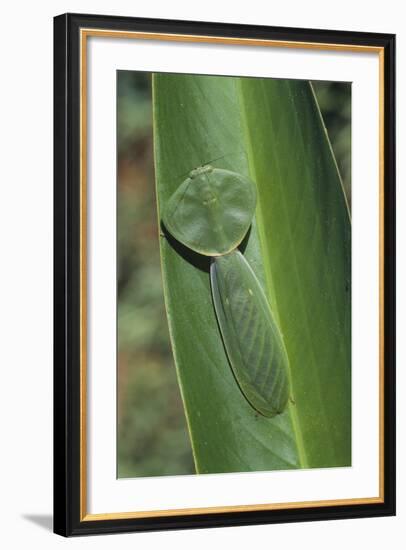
233	274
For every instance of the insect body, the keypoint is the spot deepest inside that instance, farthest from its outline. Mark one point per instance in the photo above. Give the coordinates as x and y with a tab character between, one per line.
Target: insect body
210	213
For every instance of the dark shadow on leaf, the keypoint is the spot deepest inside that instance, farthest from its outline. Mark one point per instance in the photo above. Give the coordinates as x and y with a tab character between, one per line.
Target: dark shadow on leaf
243	245
197	260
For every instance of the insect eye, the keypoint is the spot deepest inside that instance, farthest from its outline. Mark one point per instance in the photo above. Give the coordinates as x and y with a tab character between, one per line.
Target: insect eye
200	170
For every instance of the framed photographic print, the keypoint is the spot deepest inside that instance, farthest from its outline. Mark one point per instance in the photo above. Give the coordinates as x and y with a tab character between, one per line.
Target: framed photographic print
224	274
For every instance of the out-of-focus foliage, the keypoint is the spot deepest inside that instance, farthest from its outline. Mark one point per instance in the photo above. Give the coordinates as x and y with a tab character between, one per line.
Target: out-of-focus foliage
334	99
152	432
134	108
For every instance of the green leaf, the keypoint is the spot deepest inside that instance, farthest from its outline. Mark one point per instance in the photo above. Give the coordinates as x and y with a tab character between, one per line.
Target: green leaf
305	233
254	128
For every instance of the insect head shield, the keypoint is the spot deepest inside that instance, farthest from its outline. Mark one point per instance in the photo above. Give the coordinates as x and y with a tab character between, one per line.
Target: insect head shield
211	211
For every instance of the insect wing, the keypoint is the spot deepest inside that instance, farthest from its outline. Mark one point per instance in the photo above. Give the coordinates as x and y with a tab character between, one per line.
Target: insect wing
251	337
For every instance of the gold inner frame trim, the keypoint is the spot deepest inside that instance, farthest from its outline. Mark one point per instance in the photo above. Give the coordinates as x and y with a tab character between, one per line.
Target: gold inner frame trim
173	37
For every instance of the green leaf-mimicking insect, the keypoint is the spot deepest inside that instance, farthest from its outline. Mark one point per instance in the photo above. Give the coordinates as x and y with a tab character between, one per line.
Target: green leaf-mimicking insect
251	337
210	213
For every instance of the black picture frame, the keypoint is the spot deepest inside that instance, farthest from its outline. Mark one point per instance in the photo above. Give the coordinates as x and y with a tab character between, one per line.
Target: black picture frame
68	520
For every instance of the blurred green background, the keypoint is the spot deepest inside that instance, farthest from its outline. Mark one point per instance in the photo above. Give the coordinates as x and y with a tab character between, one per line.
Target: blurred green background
152	431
